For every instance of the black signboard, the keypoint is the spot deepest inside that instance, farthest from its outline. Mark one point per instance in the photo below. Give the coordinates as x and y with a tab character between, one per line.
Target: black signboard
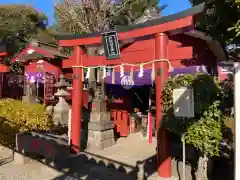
111	45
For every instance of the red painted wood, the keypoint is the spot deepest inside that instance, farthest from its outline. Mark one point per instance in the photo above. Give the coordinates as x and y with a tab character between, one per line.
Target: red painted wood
39	50
113	114
4	68
144	50
77	103
164	159
150	128
202	55
85	99
21	54
181	23
49	82
48	67
118	121
114	117
2	54
68	63
180	53
124	130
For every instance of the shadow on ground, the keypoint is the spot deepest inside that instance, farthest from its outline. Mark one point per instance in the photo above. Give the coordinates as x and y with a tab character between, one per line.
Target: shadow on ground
83	167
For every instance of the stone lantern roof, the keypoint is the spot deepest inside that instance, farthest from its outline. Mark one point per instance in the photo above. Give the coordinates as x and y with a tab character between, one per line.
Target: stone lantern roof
62	83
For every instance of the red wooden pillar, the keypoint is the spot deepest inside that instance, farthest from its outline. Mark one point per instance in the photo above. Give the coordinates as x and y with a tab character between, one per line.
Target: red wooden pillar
125	124
163	150
1	79
76	101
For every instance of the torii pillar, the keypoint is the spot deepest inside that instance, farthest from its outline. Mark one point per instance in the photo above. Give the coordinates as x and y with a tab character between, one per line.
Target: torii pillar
163	149
77	100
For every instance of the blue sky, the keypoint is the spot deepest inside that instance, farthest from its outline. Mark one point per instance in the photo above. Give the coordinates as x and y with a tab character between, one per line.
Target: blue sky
46	6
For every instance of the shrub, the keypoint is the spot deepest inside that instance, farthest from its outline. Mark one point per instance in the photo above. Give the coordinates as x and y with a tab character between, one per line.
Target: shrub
17	116
211	99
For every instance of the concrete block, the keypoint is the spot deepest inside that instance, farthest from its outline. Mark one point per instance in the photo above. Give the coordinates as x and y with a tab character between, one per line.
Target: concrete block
100	135
95	144
100	116
100	126
21	159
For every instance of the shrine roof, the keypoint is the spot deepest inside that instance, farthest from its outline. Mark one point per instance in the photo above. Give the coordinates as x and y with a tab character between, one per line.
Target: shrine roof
165	19
213	45
38	50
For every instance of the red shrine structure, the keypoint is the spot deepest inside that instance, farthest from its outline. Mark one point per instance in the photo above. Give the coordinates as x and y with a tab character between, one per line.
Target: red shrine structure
171	40
42	64
3	68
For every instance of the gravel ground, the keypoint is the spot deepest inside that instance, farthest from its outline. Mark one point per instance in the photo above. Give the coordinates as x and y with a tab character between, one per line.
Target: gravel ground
32	171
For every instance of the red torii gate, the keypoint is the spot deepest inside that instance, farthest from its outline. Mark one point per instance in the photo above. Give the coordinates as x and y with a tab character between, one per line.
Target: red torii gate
156	43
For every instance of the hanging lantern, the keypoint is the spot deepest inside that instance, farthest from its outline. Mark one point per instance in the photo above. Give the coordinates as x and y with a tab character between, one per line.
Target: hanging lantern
140	74
121	71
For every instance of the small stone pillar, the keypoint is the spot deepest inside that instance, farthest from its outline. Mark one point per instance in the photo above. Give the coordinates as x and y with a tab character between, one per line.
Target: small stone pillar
100	127
30	91
61	109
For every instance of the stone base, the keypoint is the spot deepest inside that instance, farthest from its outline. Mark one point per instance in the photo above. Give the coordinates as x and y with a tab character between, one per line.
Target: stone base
100	139
100	126
21	159
29	99
171	178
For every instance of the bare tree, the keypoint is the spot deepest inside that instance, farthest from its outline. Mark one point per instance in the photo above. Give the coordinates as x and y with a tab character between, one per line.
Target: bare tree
86	16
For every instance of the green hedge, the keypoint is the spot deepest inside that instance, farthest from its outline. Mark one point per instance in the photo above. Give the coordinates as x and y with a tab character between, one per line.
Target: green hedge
17	116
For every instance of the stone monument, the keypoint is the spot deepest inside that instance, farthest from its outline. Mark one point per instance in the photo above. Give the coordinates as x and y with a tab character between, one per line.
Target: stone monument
100	126
61	109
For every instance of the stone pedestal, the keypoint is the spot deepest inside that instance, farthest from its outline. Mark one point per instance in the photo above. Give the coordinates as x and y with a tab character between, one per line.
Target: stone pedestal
100	127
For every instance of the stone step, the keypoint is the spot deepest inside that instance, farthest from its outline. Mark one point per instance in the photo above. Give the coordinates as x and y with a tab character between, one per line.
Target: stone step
108	174
109	163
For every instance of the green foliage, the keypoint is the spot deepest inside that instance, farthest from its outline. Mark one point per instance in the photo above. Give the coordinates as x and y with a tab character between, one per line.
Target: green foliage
17	116
204	131
235	28
20	19
221	19
18	25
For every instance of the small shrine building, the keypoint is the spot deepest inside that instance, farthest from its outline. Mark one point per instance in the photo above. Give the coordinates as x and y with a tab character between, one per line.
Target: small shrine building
157	45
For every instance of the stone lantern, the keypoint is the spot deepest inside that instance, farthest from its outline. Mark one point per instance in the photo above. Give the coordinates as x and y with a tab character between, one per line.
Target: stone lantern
61	109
